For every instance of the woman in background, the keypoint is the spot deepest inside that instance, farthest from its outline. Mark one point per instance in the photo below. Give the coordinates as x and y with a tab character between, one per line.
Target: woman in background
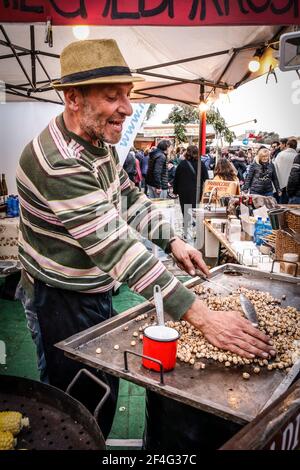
225	171
185	182
261	178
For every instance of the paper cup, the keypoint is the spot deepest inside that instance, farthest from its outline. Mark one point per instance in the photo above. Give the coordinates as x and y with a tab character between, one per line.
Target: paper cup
160	343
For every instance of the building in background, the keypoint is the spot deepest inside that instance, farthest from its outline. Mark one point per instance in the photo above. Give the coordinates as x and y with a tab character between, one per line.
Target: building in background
150	135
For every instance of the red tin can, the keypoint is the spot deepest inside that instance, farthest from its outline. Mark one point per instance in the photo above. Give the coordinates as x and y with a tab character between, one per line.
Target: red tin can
160	343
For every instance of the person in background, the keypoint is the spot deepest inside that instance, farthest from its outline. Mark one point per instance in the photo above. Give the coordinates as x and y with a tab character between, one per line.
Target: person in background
130	165
171	172
239	162
224	153
261	177
185	182
293	185
283	144
250	157
283	165
179	155
207	158
138	176
171	176
225	171
139	154
144	169
275	149
157	174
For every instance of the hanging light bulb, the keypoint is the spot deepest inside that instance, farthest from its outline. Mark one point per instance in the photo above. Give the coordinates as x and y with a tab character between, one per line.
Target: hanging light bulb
203	107
254	64
81	32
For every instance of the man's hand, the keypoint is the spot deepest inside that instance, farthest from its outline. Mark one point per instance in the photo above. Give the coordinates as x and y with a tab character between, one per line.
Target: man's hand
229	331
187	257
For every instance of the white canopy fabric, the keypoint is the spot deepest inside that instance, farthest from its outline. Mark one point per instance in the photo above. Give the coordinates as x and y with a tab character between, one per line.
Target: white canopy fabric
146	46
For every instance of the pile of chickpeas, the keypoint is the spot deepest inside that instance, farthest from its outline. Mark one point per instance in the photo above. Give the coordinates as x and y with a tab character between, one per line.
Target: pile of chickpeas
281	323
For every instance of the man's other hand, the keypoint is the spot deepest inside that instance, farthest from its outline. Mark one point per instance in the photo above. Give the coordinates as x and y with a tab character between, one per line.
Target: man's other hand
188	258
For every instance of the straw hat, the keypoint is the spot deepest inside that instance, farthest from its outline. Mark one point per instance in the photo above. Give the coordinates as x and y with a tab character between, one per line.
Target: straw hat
91	62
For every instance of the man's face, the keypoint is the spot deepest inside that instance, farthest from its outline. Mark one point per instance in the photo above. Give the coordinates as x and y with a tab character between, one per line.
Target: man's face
282	146
103	111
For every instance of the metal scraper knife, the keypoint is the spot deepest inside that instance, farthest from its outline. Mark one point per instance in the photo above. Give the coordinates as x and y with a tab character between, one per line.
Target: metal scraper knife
205	278
249	309
159	305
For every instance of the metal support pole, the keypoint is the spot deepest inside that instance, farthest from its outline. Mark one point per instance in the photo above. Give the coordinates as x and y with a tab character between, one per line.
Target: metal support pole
202	121
199	161
49	78
32	47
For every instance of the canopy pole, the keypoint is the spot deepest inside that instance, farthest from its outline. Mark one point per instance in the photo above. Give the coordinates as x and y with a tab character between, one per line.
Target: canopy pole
32	47
201	144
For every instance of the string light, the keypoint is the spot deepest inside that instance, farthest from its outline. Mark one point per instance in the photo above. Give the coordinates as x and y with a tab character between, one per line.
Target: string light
81	32
254	64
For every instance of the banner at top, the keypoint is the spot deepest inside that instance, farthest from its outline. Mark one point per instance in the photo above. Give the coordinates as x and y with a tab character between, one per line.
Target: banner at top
152	12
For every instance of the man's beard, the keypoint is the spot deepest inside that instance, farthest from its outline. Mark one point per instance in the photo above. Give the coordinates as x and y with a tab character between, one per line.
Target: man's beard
90	129
95	134
88	123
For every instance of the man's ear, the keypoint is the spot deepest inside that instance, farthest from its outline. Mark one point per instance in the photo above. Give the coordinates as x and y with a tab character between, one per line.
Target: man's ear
73	98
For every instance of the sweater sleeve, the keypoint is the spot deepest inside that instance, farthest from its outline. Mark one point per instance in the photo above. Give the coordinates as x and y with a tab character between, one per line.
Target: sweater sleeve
106	238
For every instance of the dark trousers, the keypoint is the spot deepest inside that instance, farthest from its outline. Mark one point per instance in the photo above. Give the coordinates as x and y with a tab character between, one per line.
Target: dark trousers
61	314
172	425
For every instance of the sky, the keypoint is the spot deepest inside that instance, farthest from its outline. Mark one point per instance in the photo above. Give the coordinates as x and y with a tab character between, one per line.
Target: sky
276	106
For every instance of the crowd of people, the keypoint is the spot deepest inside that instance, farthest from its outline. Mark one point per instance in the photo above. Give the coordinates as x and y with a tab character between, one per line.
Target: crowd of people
165	172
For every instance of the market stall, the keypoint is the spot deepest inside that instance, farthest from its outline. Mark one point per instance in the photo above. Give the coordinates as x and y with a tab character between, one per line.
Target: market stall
225	393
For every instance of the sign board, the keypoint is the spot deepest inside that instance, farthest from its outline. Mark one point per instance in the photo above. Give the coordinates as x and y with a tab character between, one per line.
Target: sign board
167	130
152	12
221	188
131	127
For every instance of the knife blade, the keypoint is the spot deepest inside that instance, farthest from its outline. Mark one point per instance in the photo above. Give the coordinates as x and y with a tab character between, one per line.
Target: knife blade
207	279
249	309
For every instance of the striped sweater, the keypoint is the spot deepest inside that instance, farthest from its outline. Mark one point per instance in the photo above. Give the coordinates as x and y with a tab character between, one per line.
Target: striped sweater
79	214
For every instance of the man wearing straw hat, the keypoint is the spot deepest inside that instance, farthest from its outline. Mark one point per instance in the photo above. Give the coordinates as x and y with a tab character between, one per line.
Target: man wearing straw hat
78	212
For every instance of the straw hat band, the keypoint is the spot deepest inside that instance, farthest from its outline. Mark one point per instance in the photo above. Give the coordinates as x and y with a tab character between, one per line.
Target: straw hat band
95	73
92	62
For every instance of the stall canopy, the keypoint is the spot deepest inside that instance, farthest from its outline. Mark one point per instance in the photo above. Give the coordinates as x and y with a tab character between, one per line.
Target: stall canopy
192	48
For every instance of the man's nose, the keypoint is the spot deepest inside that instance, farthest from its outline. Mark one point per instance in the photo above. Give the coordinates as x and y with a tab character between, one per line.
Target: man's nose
125	107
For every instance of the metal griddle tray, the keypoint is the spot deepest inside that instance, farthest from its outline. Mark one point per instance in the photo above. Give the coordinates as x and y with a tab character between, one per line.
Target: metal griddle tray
216	389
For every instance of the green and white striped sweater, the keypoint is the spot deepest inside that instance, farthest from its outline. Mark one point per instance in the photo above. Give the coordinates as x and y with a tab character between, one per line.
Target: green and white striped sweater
78	216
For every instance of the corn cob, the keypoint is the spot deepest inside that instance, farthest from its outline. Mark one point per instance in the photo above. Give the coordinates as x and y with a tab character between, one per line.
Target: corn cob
12	421
7	440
